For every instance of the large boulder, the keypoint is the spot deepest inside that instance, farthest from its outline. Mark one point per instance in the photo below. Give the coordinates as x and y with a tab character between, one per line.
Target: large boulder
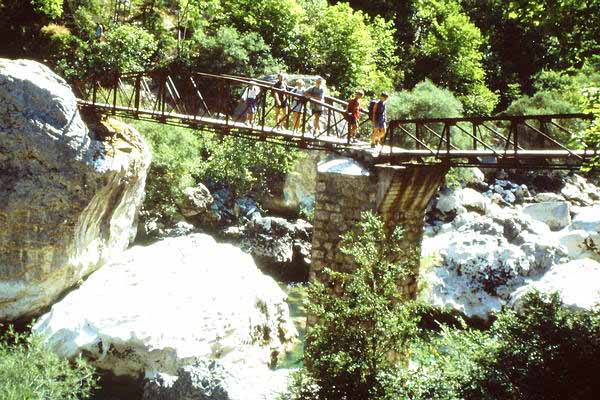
577	282
553	213
280	247
173	306
195	201
478	261
68	200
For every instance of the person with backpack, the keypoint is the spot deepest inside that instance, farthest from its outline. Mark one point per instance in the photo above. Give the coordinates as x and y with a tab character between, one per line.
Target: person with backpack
378	116
281	99
249	96
353	110
316	92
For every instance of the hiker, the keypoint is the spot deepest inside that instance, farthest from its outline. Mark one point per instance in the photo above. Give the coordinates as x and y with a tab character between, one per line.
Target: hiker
249	96
99	31
316	92
297	103
281	100
353	111
378	118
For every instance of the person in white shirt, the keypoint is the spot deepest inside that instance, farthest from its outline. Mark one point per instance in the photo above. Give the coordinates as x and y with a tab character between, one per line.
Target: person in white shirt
250	95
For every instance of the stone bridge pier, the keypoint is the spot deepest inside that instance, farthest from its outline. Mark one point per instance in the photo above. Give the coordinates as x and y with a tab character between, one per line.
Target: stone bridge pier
345	188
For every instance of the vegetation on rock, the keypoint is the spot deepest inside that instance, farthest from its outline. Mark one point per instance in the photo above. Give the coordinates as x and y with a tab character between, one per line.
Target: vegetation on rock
30	370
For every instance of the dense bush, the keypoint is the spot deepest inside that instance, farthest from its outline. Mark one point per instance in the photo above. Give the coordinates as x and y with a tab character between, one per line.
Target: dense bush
182	157
124	48
29	370
362	324
545	352
425	100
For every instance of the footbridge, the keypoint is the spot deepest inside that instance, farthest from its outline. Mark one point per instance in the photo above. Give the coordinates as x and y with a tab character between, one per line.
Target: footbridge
214	102
396	179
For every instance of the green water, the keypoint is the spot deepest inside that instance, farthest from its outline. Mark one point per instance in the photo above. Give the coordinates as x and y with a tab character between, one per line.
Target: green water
296	295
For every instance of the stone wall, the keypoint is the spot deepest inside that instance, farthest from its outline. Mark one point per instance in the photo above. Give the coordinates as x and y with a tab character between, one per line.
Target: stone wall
346	188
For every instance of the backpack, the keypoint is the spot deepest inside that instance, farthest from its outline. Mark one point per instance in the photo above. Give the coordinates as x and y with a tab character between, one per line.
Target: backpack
372	109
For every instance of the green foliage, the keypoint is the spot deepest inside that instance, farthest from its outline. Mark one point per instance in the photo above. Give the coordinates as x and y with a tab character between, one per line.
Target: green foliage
29	371
545	102
546	351
65	50
125	48
176	157
277	22
591	136
245	165
449	53
181	157
363	324
228	51
425	100
52	8
344	46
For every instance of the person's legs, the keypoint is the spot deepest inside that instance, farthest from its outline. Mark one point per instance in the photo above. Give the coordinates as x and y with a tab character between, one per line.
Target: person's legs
297	116
317	122
380	135
352	131
277	109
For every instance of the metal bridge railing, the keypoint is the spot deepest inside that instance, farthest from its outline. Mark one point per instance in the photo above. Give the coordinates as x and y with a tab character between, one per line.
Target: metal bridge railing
213	101
208	101
531	140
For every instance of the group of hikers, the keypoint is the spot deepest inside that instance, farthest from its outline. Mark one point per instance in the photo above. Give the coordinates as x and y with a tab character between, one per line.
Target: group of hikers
285	104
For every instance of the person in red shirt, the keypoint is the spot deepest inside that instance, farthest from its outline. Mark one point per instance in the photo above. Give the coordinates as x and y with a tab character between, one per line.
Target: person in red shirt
353	110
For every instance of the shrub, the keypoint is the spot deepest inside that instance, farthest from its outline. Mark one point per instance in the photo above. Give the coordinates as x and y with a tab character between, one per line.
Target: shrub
546	351
125	48
176	155
182	157
29	370
425	100
245	165
363	324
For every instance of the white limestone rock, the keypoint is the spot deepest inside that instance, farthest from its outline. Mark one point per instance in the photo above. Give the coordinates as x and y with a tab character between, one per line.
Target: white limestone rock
171	305
457	201
577	282
587	218
482	259
547	197
195	200
580	243
555	214
68	200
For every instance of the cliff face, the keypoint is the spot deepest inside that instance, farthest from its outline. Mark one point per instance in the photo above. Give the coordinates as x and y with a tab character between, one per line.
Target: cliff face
68	200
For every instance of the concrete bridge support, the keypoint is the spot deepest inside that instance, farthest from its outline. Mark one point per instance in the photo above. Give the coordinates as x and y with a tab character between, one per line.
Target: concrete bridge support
345	188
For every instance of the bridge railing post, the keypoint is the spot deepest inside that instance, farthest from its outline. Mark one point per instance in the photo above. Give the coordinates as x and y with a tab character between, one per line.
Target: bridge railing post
116	85
94	91
138	85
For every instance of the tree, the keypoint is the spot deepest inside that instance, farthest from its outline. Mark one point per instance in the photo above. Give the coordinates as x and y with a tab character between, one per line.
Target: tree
51	8
362	324
351	51
546	351
526	37
449	53
126	48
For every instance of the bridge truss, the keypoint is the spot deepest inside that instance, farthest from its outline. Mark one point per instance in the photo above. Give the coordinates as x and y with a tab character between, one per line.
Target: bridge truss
214	102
